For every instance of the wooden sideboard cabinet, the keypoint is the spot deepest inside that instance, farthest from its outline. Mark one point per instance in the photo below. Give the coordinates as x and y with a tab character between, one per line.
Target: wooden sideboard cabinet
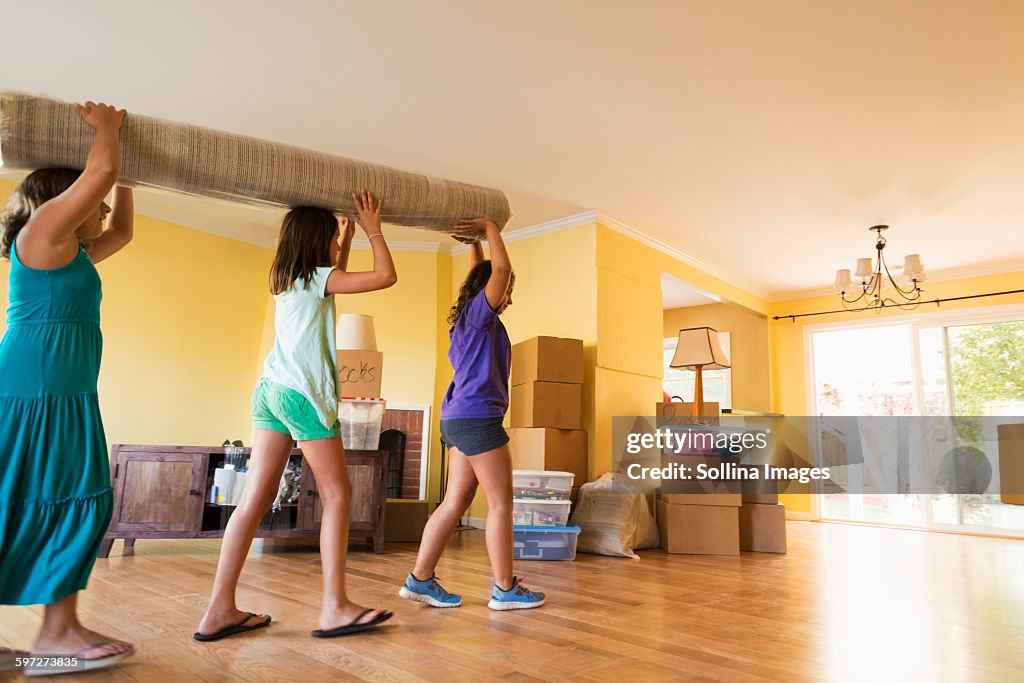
163	492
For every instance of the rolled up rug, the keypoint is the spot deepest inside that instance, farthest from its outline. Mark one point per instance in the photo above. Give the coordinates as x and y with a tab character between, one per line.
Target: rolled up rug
36	132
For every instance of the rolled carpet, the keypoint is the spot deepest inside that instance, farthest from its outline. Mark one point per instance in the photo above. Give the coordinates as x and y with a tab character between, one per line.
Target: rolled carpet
36	132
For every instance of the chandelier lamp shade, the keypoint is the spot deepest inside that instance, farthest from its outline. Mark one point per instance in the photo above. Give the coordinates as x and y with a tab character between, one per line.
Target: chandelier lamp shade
877	287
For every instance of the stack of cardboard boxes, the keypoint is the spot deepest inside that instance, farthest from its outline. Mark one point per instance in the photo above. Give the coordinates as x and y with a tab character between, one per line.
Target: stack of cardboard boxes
546	407
718	517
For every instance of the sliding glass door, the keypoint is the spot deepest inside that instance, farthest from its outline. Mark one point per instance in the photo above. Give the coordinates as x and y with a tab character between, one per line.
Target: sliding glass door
929	364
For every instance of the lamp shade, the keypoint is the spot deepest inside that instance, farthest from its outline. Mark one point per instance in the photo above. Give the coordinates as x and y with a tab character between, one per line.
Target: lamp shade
912	263
698	347
355	332
842	279
864	268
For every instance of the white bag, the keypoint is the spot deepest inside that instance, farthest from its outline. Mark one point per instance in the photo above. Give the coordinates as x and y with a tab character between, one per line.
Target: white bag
613	523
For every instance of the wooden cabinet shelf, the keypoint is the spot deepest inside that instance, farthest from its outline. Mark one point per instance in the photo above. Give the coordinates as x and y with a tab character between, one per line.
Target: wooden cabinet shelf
163	492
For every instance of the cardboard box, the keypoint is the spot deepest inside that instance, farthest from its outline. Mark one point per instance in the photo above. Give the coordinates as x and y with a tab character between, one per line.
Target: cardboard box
763	528
1011	463
359	373
547	404
677	412
703	489
541	448
761	498
725	499
404	519
699	529
547	359
763	491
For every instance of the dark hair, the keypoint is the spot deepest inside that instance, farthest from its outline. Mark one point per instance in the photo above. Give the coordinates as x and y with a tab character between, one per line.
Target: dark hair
473	284
36	189
304	246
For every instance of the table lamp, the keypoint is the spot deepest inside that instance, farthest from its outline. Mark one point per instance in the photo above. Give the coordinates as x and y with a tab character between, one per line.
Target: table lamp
697	349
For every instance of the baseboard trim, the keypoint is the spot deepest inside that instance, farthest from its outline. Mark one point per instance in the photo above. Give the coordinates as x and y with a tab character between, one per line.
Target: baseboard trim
478	522
797	516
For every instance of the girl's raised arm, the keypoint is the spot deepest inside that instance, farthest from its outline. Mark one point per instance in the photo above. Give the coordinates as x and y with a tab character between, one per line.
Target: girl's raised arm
383	274
55	222
347	230
120	227
501	265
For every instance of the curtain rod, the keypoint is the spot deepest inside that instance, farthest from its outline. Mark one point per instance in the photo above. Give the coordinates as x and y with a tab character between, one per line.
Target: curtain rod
794	316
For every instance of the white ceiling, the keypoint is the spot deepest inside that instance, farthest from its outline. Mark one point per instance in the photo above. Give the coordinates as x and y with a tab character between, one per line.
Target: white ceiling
676	293
762	138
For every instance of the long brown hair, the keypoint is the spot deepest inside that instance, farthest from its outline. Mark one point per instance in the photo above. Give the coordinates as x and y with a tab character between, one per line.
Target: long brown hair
36	189
474	282
304	246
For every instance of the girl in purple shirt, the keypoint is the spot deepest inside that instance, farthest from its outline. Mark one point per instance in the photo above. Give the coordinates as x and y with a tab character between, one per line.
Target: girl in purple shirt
471	427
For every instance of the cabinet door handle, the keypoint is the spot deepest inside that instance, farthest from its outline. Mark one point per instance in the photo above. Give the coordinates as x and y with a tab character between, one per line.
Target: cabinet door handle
309	492
193	492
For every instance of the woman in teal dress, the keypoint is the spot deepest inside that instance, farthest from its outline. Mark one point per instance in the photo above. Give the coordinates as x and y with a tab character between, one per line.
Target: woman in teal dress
55	496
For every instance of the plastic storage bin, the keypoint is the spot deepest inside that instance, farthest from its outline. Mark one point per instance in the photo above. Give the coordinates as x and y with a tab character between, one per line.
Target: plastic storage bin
541	485
545	543
360	422
540	512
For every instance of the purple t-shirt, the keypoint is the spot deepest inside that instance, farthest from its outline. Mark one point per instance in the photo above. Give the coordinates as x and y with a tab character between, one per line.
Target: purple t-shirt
481	356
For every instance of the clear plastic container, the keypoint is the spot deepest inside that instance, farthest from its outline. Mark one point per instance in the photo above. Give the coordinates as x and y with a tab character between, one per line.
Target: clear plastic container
540	512
360	422
544	543
541	484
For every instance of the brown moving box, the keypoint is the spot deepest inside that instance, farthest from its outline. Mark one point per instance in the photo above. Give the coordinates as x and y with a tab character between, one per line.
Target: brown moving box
677	412
716	482
699	529
547	359
547	404
726	499
1011	463
359	373
761	498
404	519
764	491
541	448
763	528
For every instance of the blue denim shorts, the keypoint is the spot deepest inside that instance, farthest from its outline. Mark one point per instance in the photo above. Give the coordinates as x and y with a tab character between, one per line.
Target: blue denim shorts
474	435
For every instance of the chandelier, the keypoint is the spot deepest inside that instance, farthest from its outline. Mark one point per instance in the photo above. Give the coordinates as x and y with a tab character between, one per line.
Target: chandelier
878	288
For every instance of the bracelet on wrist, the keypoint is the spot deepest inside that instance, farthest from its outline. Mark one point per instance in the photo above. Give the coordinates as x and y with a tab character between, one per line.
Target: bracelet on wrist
376	234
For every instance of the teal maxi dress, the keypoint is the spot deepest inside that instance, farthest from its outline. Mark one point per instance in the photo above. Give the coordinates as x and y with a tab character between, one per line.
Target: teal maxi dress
55	495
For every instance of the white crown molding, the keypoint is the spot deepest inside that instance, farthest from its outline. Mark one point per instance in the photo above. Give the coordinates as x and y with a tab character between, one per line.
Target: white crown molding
573	221
403	245
944	275
677	254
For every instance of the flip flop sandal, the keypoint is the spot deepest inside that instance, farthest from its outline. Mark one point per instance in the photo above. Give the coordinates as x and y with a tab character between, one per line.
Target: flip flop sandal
234	629
353	627
84	664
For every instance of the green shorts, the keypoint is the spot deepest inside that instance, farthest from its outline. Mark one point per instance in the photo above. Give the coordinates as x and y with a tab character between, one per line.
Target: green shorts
277	407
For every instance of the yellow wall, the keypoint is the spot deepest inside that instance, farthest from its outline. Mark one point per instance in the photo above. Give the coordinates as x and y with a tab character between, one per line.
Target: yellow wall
182	319
631	326
749	342
786	337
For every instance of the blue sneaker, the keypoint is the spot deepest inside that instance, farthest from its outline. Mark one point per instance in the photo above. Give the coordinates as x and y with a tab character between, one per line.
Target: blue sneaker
517	597
429	592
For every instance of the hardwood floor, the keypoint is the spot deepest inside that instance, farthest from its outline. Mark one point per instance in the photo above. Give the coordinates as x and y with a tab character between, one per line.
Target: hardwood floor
847	603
